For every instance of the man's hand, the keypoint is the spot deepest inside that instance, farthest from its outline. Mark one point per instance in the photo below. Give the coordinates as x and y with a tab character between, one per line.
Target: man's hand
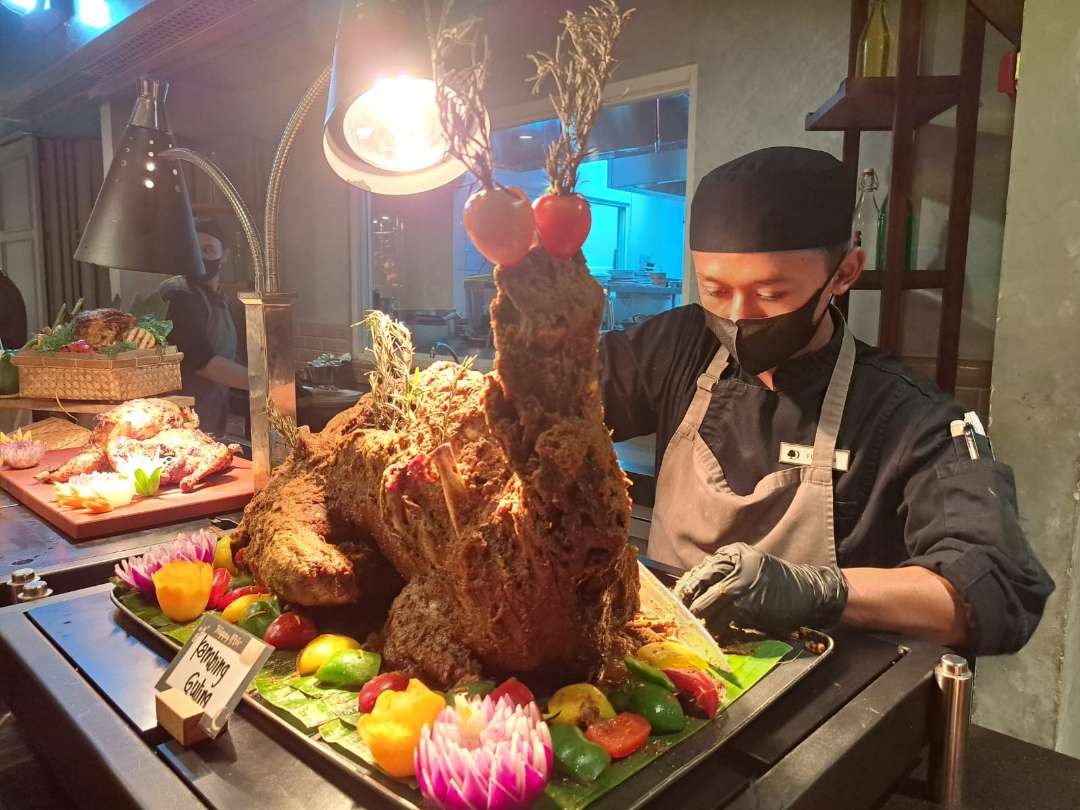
753	589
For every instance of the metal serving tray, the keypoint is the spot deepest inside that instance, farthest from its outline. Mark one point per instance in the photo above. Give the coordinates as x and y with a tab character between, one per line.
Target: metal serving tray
634	792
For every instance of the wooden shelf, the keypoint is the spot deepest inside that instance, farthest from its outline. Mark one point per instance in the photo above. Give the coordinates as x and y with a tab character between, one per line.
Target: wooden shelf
76	406
867	104
909	280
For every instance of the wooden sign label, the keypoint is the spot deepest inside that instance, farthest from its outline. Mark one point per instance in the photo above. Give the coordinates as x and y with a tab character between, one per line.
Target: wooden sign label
214	669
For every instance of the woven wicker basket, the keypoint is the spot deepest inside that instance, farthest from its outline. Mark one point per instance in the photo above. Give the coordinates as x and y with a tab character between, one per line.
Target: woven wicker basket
94	377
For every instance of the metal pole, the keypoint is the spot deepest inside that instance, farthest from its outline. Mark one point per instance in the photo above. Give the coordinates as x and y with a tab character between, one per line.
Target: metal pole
956	682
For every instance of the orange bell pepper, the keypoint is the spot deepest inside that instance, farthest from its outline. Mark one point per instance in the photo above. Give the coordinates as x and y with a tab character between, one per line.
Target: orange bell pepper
182	588
392	729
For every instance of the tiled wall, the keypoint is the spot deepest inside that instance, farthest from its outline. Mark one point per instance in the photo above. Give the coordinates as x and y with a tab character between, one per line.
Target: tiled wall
310	339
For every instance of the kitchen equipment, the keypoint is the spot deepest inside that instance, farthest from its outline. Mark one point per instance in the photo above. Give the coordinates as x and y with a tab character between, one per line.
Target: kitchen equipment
429	326
479	293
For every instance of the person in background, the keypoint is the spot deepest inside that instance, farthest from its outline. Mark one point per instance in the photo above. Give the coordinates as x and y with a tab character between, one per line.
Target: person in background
204	331
12	314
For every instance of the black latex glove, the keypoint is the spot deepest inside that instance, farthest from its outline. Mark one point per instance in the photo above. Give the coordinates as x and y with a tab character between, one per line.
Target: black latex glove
756	590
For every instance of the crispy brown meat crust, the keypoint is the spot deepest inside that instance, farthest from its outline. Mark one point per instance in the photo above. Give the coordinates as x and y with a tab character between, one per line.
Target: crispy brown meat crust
502	506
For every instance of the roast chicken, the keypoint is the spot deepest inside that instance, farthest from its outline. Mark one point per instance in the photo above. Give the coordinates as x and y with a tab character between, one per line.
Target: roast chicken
151	429
499	503
102	328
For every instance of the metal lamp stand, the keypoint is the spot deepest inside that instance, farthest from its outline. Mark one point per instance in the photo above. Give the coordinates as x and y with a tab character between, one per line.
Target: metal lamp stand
268	311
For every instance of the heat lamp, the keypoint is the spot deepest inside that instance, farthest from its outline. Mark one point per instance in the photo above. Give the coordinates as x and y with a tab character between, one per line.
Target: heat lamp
382	134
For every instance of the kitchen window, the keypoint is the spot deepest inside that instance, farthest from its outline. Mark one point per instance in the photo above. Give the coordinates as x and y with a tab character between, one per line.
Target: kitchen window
424	269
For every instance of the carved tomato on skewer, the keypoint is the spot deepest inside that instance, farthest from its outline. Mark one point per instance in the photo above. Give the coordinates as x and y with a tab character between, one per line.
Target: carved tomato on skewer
500	223
564	221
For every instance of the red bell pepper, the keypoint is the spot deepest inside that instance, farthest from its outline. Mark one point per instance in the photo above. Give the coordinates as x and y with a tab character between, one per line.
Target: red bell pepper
231	596
697	689
218	586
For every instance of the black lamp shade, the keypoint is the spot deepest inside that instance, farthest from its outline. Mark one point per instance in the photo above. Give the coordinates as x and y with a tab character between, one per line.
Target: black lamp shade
384	42
142	217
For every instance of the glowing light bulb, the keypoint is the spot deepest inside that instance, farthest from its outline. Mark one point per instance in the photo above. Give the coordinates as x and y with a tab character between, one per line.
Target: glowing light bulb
395	125
150	165
94	14
148	183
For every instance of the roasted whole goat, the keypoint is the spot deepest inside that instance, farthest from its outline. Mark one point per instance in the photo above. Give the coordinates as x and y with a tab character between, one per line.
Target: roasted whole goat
497	499
152	429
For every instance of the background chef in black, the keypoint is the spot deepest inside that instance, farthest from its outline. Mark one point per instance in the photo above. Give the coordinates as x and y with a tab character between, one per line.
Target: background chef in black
927	542
203	329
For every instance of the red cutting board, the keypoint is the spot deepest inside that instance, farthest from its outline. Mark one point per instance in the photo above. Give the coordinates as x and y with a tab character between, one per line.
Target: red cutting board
222	492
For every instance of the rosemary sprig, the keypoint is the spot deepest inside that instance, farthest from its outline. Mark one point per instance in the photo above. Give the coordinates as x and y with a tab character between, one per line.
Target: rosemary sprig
395	386
283	425
580	67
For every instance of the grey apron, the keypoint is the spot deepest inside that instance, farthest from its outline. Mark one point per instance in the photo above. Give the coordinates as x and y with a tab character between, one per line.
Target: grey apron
789	513
211	398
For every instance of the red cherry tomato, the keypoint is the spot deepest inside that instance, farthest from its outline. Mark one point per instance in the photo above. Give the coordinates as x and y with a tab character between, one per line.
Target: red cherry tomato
500	223
514	689
290	631
697	689
387	682
620	736
564	221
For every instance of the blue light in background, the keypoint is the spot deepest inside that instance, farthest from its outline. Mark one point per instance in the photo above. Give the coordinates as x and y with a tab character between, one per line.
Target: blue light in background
92	13
19	6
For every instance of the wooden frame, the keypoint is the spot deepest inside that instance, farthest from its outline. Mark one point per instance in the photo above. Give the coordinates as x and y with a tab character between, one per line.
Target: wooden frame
860	105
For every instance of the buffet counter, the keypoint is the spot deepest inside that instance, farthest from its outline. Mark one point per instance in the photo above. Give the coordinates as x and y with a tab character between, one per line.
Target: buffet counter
80	679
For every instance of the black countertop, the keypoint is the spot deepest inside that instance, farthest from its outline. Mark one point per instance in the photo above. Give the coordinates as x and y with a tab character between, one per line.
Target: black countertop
80	680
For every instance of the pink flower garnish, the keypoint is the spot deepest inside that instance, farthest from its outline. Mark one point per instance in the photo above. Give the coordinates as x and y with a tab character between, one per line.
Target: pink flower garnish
481	755
137	572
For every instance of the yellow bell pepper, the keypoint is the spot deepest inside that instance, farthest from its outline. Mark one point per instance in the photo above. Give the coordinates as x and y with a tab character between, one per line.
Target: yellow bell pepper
223	555
392	729
182	588
320	649
579	704
235	610
672	655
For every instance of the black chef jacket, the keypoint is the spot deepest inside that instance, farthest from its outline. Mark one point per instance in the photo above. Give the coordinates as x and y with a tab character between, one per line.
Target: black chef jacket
908	497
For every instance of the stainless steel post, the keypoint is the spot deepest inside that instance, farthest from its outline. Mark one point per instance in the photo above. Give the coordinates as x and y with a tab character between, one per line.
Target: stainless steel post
956	682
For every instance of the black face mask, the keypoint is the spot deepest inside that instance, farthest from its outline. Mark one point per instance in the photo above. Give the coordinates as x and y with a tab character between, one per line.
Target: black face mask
759	344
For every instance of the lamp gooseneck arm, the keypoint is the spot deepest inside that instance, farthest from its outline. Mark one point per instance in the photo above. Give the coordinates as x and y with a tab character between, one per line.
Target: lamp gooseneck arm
277	170
243	213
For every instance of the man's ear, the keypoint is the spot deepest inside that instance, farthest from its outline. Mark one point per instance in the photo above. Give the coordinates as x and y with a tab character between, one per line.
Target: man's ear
848	271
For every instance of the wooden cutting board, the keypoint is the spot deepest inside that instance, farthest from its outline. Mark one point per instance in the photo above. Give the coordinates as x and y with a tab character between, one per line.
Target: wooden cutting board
223	492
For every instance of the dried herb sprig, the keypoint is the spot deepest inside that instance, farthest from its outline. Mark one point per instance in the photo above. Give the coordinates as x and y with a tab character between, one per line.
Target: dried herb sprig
283	425
394	383
459	61
580	67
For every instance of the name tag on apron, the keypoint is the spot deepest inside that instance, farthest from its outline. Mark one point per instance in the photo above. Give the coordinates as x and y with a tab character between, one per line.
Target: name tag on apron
802	455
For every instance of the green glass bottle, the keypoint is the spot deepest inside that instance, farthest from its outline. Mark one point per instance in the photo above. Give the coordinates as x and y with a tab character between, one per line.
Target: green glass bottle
882	237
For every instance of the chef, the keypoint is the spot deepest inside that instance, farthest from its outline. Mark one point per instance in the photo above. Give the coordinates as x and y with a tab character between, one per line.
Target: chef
204	331
804	477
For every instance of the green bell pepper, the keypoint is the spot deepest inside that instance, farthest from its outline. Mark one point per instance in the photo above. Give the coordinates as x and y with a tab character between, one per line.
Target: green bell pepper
649	673
259	616
659	706
575	755
349	669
